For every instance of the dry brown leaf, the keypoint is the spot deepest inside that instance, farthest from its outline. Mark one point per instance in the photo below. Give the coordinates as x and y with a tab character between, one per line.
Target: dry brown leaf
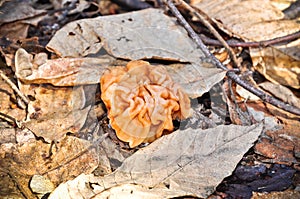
56	111
7	135
59	72
15	18
281	92
58	163
14	31
10	190
279	150
184	163
270	122
15	10
251	20
79	71
139	35
276	66
254	20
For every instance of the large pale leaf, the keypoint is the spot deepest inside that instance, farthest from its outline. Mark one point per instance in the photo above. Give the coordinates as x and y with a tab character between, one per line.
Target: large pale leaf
188	162
135	35
140	35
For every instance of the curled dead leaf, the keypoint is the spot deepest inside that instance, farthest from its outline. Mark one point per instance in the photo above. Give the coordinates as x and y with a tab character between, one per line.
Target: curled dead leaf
142	100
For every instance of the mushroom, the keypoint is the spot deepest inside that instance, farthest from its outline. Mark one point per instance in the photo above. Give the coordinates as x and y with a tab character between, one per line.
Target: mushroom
142	100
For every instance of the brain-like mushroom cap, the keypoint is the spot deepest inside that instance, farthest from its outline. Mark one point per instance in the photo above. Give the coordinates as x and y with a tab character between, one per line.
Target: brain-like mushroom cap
142	100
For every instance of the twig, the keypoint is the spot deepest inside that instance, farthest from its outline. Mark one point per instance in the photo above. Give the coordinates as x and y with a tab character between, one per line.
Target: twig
14	87
231	74
204	20
259	44
11	120
8	118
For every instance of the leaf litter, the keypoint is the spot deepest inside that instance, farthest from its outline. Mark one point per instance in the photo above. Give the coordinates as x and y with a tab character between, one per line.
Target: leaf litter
186	162
183	161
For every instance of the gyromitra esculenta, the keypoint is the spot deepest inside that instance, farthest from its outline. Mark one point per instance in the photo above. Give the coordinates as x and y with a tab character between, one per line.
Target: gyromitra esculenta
142	100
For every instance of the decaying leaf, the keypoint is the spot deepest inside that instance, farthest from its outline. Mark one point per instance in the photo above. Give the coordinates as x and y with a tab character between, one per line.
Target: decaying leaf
7	135
192	161
276	66
21	10
69	158
142	101
186	162
56	111
16	17
60	72
251	20
140	35
256	21
281	92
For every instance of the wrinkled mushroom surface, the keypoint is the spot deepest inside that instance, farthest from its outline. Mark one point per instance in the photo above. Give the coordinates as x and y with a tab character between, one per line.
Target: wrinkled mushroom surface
142	100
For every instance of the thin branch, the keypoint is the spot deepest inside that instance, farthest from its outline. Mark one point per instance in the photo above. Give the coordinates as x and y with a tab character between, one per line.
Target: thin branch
14	87
231	74
11	120
259	44
8	118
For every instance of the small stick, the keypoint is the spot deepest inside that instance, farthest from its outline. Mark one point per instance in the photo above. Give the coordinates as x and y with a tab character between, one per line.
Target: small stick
203	19
258	44
231	74
11	120
8	118
14	87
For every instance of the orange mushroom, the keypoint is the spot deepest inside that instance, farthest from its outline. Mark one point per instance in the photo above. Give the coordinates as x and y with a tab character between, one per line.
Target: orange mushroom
142	100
